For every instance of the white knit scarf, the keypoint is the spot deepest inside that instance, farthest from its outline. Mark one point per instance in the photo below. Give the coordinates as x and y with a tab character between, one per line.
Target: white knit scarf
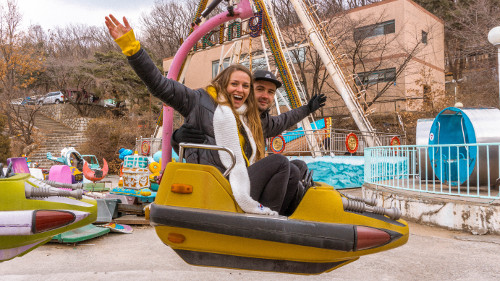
226	134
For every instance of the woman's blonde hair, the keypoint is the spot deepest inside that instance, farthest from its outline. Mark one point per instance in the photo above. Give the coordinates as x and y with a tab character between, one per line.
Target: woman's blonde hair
220	84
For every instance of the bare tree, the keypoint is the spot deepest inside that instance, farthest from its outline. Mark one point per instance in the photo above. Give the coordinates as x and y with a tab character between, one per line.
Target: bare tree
166	26
20	63
357	53
68	51
470	58
312	75
368	55
5	151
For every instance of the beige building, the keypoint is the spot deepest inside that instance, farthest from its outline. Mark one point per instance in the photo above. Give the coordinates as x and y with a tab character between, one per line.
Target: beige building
399	47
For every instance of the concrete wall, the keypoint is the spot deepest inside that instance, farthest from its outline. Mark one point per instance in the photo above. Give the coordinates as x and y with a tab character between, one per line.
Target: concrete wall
199	73
477	216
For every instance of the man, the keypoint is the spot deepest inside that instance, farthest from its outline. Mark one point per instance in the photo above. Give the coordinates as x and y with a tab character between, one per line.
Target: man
265	86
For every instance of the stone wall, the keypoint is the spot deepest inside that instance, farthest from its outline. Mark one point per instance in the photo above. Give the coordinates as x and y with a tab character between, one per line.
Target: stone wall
68	115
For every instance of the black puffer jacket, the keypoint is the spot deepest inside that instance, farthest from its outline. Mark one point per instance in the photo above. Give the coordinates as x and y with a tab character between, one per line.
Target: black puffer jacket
275	125
271	125
196	106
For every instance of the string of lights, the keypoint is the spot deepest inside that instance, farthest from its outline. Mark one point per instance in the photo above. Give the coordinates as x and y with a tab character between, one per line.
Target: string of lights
279	57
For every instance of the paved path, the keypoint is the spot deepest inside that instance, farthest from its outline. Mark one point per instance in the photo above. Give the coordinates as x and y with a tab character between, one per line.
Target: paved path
430	254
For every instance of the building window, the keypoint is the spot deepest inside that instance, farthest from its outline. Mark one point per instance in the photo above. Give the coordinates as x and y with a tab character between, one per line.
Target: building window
377	76
215	66
295	56
258	63
373	30
424	37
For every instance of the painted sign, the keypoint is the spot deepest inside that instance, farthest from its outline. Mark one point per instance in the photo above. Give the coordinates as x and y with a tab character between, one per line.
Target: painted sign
351	142
395	141
278	144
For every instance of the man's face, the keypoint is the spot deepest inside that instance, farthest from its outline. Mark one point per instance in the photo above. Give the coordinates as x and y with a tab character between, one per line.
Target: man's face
264	94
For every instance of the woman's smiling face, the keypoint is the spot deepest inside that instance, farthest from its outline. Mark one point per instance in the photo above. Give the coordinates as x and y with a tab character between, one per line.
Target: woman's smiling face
238	88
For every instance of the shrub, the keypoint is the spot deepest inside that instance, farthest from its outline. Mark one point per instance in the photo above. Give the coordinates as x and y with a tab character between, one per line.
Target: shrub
105	136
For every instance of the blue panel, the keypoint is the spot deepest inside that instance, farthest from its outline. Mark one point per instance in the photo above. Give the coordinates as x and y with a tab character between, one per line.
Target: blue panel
299	132
452	164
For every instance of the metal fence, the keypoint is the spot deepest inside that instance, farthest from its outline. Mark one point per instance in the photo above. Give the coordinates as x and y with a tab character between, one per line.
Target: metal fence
330	141
470	170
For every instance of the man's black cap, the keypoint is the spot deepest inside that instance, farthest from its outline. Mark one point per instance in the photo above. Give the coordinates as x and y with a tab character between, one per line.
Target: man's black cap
267	76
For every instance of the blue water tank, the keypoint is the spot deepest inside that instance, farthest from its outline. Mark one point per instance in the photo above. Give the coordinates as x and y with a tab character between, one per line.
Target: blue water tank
456	165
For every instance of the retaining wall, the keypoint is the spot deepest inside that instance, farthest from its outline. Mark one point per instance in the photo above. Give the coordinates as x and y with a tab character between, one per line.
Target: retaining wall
477	216
68	115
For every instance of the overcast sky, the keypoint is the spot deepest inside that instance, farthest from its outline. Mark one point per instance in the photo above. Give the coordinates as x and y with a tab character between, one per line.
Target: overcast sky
52	13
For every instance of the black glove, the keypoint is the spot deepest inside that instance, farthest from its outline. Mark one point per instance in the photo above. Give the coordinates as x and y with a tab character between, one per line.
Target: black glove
187	133
316	102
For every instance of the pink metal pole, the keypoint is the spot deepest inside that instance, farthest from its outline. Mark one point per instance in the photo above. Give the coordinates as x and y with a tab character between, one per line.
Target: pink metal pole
243	10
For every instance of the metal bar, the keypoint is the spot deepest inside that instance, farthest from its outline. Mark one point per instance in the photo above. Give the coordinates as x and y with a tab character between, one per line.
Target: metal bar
458	169
477	170
487	165
184	145
468	170
333	68
449	169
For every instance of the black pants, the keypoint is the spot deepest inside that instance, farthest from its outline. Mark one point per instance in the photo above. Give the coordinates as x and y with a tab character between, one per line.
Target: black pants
302	166
274	182
294	192
292	199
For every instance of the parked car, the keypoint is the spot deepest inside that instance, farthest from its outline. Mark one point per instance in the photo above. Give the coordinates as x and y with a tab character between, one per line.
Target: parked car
52	97
16	101
28	100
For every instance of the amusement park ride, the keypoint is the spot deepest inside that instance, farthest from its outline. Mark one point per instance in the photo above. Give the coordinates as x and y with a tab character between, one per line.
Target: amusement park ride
196	214
262	23
32	211
194	211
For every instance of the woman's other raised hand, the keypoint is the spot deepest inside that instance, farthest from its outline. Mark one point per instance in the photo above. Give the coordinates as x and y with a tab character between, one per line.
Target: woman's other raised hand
116	29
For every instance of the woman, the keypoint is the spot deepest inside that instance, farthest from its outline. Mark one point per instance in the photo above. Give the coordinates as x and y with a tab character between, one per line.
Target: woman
227	113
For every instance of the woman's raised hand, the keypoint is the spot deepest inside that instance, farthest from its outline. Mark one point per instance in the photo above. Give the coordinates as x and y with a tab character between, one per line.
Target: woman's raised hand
116	29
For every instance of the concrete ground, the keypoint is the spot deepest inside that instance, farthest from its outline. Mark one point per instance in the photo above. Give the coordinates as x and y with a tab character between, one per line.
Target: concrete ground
430	254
